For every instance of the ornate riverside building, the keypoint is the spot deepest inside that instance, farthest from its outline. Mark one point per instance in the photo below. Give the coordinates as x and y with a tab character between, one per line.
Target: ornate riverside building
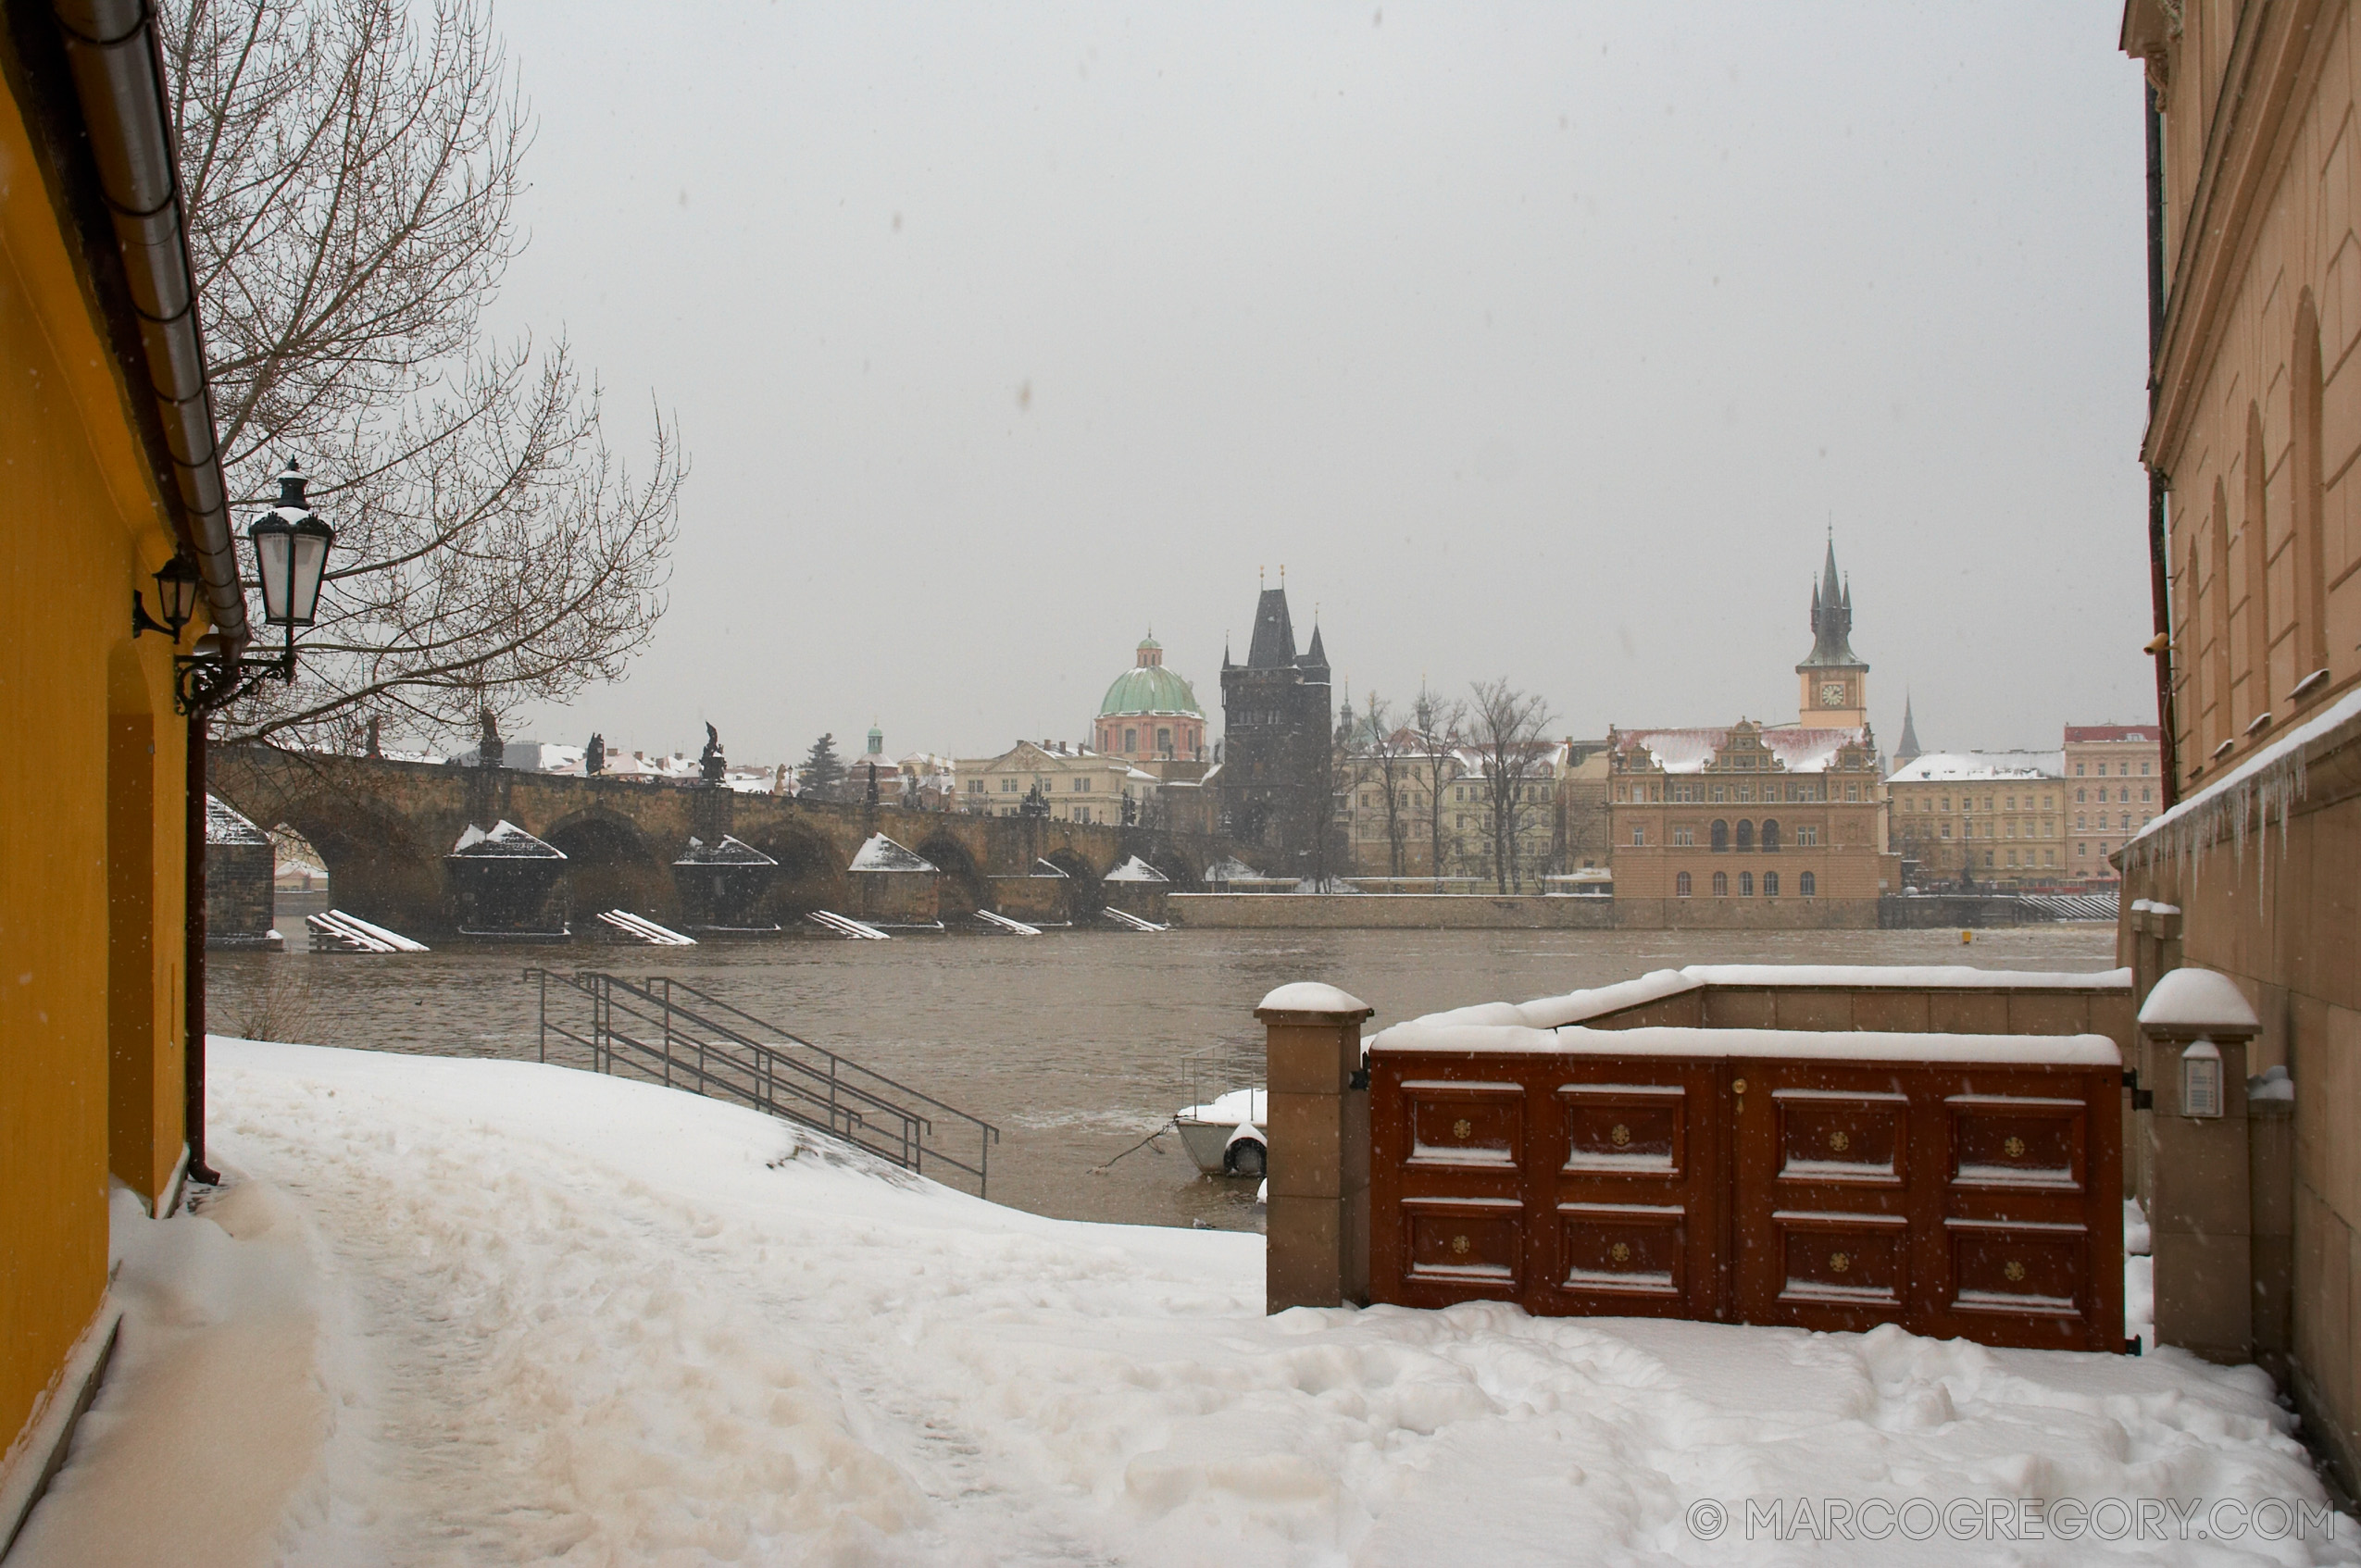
1759	825
1277	760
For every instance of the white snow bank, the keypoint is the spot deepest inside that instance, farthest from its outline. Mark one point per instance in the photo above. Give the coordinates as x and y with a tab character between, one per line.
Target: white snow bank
567	1317
1136	870
219	1353
1311	996
2198	998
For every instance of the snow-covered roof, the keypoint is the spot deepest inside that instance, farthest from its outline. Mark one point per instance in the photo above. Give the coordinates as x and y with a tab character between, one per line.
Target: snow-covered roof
225	825
730	851
2198	998
506	841
1797	749
2276	773
882	853
1229	868
1136	870
1945	767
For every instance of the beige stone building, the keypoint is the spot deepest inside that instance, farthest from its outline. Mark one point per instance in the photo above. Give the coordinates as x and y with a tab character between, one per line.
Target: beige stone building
2114	775
2255	423
1993	818
1073	785
1749	825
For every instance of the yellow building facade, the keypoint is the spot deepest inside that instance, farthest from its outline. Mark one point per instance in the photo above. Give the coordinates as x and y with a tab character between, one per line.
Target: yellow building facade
94	787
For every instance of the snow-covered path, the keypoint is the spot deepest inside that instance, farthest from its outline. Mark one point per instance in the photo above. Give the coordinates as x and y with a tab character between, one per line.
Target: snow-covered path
530	1314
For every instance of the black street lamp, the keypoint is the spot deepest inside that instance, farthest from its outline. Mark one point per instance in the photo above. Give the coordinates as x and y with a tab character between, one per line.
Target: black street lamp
291	546
176	595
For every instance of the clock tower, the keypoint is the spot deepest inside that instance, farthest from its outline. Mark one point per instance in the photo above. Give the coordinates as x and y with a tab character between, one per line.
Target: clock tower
1834	679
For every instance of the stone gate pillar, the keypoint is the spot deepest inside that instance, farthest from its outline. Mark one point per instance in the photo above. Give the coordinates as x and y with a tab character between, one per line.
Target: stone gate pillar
2194	1027
1317	1251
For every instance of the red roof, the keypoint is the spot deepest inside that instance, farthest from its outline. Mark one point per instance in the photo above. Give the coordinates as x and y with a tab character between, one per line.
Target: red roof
2075	732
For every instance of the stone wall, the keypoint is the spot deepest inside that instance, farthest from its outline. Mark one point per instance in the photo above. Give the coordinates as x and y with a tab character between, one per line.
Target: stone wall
238	895
1414	912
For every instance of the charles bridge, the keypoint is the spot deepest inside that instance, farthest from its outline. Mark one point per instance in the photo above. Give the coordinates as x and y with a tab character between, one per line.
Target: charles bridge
387	831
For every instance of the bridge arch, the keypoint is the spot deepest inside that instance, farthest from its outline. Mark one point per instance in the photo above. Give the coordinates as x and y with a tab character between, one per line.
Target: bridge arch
1085	895
377	869
964	888
811	870
610	865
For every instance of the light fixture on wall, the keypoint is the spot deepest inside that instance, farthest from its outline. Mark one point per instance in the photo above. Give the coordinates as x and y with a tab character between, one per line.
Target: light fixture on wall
2201	1079
290	544
176	596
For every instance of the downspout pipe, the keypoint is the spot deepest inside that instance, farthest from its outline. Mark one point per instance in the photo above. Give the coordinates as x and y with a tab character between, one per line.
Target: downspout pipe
117	60
2159	557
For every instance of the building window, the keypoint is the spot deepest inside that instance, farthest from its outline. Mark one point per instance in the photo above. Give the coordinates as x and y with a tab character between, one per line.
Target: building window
1807	835
1770	836
1681	886
2078	770
1082	813
1131	739
2144	773
1806	885
1721	884
1852	791
2049	857
1164	742
1638	835
1745	838
1720	838
1745	884
1715	794
1770	884
1988	860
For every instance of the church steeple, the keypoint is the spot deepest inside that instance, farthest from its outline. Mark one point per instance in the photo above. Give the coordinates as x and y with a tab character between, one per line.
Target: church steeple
1908	751
1834	678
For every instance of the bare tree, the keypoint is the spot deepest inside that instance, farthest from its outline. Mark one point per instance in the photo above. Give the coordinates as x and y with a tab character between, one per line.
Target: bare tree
351	174
1436	764
1508	727
1387	753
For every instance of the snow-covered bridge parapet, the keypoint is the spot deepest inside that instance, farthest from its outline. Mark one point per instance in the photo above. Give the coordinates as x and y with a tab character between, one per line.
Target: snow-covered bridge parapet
386	830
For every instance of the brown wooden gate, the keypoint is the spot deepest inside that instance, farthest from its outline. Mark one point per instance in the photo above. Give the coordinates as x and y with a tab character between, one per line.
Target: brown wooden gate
1957	1196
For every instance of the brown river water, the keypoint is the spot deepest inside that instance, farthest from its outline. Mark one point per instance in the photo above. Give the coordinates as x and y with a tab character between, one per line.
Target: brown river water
1073	1042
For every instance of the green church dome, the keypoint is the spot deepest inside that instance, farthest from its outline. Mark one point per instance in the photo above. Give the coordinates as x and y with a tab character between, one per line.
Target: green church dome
1149	689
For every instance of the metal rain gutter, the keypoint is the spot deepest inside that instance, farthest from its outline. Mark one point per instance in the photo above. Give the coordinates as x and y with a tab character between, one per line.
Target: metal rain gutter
117	67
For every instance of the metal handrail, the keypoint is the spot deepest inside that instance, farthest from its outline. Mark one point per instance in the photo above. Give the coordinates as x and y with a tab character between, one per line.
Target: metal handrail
649	1030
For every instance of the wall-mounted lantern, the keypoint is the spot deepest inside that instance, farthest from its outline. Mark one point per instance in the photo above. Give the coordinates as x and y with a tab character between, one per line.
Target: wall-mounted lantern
176	596
2201	1079
291	546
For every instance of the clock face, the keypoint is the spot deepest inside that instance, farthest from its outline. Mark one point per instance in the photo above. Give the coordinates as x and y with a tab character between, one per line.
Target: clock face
1831	693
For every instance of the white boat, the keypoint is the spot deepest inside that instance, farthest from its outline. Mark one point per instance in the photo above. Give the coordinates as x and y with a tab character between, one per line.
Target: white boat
1225	1136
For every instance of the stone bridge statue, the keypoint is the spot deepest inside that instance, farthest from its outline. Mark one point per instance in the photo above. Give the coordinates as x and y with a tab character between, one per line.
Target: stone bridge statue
711	767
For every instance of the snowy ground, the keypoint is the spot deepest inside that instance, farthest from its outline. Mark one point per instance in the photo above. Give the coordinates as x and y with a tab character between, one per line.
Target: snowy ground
475	1312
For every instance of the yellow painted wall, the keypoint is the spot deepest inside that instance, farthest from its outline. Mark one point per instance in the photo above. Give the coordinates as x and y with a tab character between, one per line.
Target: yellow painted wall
91	794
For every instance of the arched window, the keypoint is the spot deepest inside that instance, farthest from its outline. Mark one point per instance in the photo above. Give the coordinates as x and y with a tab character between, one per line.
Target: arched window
1770	884
1721	884
1745	884
1806	885
2311	595
1681	886
1745	837
1720	840
1770	837
2216	595
2258	574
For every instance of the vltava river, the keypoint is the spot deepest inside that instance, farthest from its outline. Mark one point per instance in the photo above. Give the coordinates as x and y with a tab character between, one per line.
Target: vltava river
1070	1042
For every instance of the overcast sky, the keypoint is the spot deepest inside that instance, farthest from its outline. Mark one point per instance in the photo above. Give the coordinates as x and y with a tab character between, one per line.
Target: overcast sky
1540	341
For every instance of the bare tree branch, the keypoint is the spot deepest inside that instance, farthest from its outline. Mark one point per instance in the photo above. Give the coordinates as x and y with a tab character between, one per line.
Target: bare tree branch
351	171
